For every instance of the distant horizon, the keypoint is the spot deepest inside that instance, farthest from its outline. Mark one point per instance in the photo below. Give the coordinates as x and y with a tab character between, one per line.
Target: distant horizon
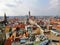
31	15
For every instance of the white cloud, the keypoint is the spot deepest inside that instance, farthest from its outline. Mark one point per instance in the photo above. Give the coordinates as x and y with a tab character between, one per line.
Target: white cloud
21	7
54	4
17	7
54	7
8	7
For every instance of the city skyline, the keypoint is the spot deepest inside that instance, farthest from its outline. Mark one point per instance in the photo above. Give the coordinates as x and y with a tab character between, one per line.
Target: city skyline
37	7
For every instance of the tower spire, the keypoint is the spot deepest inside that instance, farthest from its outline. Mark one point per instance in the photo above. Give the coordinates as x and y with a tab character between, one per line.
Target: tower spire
29	14
5	19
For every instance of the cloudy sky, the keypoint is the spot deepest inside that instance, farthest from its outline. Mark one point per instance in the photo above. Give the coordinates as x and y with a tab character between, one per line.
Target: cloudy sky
37	7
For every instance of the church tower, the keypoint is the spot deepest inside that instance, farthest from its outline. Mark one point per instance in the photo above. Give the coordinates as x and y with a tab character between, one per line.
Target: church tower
5	19
29	14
